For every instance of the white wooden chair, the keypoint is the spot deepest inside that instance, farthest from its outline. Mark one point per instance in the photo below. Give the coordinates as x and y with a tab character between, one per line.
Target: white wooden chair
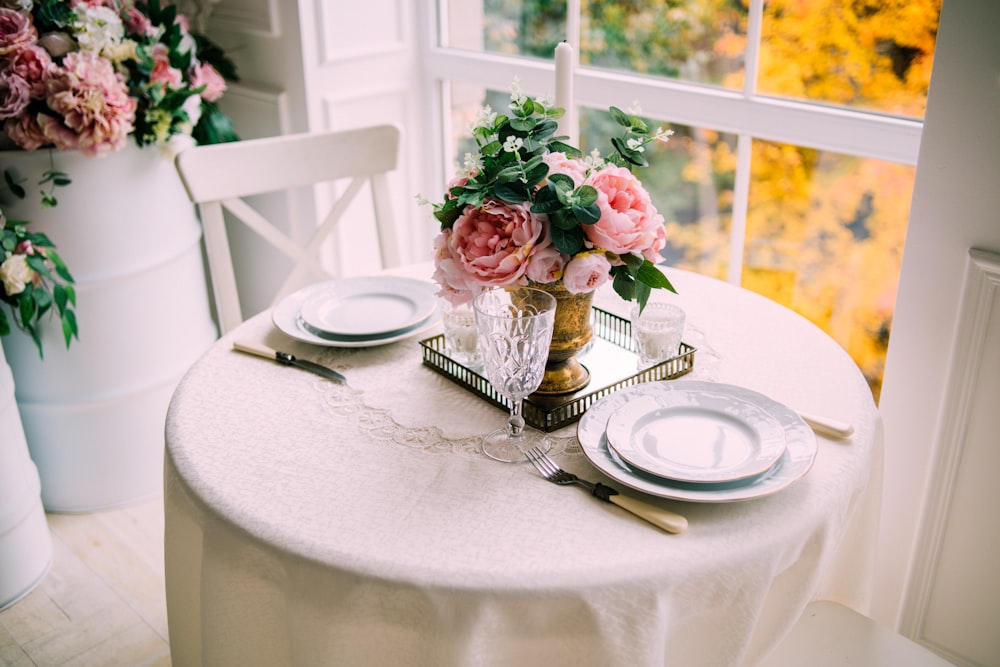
218	176
829	634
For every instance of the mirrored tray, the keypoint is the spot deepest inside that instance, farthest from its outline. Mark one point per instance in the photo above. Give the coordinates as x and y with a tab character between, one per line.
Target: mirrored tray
610	358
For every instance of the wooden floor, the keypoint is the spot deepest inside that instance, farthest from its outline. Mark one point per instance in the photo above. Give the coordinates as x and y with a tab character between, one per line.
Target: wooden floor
102	603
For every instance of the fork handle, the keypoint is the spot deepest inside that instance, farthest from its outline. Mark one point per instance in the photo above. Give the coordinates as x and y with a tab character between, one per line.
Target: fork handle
659	517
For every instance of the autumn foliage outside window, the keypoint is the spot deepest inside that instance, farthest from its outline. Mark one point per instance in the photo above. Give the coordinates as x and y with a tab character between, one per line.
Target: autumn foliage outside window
823	231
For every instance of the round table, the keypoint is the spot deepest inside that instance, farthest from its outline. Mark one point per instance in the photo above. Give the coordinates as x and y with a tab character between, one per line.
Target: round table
315	523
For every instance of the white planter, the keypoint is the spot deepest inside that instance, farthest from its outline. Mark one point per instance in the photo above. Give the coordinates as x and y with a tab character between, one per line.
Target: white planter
94	414
25	542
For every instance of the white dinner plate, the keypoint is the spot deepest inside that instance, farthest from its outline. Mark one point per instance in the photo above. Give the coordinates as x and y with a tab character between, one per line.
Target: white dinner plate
367	306
286	316
800	448
697	435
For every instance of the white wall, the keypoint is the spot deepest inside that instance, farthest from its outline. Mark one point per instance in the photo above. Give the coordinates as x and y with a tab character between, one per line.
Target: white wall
956	206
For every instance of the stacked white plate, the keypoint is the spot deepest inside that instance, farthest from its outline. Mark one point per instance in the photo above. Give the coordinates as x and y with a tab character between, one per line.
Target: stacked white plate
358	312
697	441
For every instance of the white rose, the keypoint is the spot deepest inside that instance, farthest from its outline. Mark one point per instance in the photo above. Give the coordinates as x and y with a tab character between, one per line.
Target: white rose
15	274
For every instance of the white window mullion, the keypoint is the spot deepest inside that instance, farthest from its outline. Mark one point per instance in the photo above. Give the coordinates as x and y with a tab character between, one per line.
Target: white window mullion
751	63
741	200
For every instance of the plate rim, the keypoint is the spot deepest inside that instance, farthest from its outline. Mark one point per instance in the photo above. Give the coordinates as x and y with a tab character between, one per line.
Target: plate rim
422	299
771	441
800	451
284	316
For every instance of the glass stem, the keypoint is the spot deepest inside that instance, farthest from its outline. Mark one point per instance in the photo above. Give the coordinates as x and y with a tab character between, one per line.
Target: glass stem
515	423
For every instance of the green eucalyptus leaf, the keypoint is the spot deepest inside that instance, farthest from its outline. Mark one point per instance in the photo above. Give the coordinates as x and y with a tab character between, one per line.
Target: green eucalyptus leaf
491	148
4	324
620	117
561	147
523	124
587	215
562	182
586	195
568	241
513	193
60	297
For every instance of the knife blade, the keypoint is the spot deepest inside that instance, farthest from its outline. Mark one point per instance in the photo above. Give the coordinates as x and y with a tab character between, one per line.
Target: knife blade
288	359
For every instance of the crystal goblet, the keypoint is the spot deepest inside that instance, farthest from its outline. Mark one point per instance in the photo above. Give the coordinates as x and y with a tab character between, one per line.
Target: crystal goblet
515	330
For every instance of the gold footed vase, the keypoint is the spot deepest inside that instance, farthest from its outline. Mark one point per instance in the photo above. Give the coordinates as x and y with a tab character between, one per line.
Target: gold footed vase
564	374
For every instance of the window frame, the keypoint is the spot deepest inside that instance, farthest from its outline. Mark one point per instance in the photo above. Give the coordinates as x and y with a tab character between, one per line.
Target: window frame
744	113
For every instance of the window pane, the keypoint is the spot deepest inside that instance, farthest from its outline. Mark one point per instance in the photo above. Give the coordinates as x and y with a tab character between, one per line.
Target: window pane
695	40
868	54
690	180
825	237
511	27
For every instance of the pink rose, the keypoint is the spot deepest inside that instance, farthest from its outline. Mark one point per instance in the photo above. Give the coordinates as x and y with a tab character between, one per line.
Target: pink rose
32	64
206	75
170	77
137	23
16	31
26	132
546	265
93	102
629	221
559	163
494	243
15	93
586	272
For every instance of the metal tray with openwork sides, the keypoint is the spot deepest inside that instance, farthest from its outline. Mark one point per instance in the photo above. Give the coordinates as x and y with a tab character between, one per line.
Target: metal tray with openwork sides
610	358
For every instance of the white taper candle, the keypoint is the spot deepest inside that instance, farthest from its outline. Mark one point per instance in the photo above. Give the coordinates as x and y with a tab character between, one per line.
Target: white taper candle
565	64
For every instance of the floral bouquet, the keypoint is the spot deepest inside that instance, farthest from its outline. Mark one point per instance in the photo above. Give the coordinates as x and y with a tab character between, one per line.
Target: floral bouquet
33	278
530	208
85	74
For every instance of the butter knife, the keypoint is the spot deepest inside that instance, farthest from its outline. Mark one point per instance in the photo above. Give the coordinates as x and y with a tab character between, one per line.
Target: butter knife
288	359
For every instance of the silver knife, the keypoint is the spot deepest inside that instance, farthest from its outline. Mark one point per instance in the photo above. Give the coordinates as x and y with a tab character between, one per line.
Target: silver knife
288	359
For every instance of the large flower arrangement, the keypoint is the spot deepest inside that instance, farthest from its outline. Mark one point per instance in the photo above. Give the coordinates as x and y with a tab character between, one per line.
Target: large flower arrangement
33	279
530	208
86	74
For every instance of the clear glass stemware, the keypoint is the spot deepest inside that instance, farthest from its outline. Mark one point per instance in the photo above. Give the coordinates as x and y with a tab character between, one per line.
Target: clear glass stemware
515	330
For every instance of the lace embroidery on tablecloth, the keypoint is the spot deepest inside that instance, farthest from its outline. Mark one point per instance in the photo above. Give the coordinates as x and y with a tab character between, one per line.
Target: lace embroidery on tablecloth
393	398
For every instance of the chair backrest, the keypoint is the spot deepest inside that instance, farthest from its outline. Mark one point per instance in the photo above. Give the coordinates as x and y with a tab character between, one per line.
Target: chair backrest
218	176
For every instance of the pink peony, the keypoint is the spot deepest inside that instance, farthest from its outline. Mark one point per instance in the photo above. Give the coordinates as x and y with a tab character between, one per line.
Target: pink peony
546	265
16	31
93	102
494	243
629	221
455	286
586	272
26	132
206	75
32	64
15	93
559	163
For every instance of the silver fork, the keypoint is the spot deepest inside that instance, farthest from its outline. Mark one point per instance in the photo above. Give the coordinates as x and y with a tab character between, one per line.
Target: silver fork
659	517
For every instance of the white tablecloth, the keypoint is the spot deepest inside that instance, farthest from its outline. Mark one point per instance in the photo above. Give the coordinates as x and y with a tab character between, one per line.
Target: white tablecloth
312	523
